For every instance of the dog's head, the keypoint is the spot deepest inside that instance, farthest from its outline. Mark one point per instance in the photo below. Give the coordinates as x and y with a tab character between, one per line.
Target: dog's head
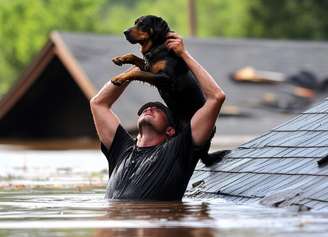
148	29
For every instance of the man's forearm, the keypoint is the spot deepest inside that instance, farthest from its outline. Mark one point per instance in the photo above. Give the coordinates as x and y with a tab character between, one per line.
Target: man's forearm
207	83
203	120
106	122
108	94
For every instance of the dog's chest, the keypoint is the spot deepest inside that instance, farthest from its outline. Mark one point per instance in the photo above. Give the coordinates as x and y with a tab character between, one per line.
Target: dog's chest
156	60
156	67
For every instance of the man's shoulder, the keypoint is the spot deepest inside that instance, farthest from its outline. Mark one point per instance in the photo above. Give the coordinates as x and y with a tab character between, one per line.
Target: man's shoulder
181	138
122	140
122	133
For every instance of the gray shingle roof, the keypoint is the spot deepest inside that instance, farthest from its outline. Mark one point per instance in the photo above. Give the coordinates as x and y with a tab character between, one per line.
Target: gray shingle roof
279	168
221	57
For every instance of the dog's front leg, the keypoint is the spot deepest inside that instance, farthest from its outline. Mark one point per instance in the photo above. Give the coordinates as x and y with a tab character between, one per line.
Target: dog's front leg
133	75
129	59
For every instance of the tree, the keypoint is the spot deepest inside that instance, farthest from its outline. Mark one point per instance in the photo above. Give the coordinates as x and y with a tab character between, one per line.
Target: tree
223	17
302	19
25	25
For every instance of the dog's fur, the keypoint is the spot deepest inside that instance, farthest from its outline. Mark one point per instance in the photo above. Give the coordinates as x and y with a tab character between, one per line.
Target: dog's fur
163	69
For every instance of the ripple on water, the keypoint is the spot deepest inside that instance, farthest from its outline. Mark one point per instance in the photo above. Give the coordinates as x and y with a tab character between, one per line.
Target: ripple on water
69	212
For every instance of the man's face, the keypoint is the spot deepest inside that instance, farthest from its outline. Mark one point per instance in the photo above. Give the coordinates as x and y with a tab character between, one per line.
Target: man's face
154	117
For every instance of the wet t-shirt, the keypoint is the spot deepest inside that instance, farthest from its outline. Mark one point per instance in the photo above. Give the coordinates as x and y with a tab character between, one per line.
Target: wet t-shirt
160	172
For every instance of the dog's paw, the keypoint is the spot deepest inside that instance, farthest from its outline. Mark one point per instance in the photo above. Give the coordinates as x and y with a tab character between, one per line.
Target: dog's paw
119	80
118	61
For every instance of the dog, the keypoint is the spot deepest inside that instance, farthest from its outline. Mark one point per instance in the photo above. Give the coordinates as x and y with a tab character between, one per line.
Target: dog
165	70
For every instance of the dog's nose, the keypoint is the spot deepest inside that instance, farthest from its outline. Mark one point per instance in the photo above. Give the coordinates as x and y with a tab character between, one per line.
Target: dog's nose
126	32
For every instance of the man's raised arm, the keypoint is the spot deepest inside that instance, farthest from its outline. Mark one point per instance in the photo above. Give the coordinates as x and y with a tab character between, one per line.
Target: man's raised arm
106	121
203	121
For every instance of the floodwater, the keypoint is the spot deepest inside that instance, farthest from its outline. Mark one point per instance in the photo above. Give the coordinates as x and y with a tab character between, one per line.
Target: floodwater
65	197
76	212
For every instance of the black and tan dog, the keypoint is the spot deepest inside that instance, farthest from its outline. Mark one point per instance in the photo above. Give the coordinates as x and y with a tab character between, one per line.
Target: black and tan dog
164	70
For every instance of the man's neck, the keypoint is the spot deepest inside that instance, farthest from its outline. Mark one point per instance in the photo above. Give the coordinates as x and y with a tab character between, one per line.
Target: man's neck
149	137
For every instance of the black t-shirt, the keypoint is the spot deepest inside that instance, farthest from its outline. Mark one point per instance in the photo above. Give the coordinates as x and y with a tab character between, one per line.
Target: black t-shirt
160	172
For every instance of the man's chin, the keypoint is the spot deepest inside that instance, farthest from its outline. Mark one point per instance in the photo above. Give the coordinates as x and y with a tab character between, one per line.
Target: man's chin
147	123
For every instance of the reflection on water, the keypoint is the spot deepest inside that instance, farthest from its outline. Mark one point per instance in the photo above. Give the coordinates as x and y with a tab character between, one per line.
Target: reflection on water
73	212
61	193
158	232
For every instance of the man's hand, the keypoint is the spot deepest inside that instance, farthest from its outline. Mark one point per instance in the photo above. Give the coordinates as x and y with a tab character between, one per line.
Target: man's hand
175	42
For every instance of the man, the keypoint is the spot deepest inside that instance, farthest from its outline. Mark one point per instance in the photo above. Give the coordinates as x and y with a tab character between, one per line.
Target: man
159	164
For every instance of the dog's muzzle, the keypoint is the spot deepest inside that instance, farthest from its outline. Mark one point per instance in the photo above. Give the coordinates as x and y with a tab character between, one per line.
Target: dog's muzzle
129	37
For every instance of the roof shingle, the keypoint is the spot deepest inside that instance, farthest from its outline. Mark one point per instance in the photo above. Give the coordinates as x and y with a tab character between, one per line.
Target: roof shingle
280	167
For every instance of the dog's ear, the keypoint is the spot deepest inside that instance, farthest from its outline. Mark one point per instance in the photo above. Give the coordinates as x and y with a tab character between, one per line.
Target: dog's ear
159	30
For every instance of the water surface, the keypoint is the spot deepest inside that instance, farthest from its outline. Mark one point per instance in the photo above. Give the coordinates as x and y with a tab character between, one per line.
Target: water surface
85	212
61	193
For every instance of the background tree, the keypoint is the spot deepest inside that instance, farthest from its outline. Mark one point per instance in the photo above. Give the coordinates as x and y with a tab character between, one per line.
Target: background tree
302	19
25	25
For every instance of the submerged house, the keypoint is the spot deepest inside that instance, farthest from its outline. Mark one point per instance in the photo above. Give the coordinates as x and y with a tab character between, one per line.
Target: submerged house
51	99
287	166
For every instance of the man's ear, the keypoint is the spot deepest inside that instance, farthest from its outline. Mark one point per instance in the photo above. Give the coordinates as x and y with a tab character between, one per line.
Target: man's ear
170	131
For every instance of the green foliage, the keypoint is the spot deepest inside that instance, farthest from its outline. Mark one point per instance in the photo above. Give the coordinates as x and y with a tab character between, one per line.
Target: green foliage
122	14
223	17
25	24
302	19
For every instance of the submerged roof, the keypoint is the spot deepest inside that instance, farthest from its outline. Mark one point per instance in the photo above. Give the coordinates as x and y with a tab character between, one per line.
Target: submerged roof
220	57
85	59
51	99
285	166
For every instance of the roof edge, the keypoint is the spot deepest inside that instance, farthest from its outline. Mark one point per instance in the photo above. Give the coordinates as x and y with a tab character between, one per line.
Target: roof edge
27	78
219	40
74	68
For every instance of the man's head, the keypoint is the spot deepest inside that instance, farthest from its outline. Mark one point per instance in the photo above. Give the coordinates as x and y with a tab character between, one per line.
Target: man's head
158	116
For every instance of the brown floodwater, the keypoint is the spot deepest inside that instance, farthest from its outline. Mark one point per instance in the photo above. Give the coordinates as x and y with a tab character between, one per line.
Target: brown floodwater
84	212
61	193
